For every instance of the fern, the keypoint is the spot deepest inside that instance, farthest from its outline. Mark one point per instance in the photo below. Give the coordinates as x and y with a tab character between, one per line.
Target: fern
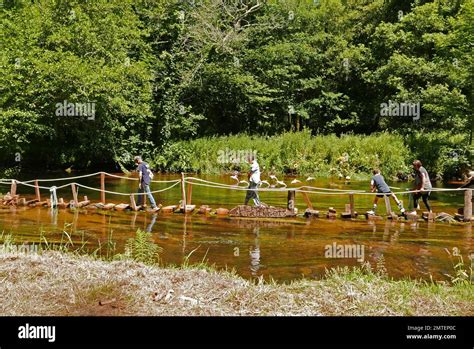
141	248
462	273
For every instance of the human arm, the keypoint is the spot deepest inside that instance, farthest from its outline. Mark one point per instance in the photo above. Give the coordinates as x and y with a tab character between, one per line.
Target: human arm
140	176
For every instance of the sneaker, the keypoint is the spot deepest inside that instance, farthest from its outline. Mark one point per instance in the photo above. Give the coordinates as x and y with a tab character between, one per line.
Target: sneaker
402	210
371	212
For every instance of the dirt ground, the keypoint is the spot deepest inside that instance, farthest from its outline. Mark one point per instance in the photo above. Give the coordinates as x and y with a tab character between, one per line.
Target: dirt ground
55	283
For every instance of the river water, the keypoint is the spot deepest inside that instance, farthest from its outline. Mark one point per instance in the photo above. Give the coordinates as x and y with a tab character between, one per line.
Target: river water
282	249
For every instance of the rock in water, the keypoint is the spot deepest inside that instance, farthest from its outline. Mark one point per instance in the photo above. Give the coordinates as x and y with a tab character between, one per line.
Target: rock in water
261	212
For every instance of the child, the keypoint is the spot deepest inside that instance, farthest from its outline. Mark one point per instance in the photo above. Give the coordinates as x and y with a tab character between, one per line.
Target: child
378	184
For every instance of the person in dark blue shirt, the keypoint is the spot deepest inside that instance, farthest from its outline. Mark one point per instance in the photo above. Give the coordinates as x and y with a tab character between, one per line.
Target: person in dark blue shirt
144	182
378	184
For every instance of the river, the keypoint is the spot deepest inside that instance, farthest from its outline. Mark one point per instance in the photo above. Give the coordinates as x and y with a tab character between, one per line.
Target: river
282	249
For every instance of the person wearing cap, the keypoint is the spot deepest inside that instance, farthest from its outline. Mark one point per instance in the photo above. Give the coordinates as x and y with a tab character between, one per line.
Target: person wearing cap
144	182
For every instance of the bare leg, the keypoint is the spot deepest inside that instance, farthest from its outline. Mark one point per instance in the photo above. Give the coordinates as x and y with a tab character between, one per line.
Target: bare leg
399	203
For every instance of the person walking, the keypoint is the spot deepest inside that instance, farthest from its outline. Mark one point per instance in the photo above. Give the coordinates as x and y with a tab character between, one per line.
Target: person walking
422	187
378	184
144	181
254	181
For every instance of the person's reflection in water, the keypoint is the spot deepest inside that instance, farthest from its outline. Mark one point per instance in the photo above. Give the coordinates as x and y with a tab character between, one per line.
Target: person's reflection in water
54	216
255	253
149	228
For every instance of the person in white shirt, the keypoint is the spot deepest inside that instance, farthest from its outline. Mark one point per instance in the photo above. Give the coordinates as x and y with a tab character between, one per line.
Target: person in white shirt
254	181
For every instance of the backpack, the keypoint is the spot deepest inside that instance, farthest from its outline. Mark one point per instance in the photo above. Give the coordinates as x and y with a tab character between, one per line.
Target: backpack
150	172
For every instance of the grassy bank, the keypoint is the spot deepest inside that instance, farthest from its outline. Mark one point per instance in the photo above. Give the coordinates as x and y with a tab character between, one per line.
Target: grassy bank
57	283
301	153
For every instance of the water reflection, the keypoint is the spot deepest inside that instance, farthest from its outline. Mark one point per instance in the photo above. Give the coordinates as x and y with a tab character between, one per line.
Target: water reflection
291	247
255	253
53	212
149	228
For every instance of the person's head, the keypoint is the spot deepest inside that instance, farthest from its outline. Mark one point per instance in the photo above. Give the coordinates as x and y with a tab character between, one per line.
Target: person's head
250	158
376	171
417	164
138	159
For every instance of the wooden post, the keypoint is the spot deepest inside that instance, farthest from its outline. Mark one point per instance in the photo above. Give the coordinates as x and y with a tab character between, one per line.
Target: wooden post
351	205
183	193
13	188
37	191
133	205
190	194
291	200
102	187
467	205
387	205
74	195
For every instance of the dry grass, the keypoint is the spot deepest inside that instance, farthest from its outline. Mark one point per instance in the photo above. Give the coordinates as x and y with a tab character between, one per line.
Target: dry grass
56	283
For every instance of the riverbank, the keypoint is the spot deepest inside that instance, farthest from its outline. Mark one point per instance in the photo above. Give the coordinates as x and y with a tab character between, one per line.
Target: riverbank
56	283
445	155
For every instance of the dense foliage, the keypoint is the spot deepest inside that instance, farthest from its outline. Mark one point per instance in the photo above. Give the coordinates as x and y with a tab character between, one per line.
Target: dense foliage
323	155
164	71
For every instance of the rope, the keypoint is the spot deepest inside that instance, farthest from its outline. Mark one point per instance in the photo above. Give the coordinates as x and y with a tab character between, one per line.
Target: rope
62	178
136	179
95	189
39	186
91	175
127	194
206	183
281	190
230	186
328	191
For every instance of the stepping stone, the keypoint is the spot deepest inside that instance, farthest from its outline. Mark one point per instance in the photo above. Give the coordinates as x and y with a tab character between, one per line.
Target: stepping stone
222	212
309	213
121	207
169	209
204	209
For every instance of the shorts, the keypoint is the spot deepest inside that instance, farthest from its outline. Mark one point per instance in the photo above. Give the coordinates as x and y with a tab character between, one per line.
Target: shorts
381	195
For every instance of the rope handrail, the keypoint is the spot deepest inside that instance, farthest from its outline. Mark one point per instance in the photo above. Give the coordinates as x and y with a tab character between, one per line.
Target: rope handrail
62	178
136	179
328	191
231	186
281	190
95	189
85	176
210	184
127	194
